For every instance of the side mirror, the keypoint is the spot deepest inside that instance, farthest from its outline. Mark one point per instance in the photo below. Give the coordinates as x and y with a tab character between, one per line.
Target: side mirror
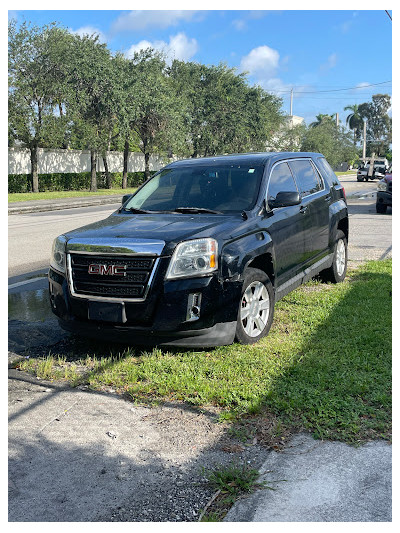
125	198
285	199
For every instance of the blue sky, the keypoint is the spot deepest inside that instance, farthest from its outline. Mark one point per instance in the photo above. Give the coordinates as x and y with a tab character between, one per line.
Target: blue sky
318	53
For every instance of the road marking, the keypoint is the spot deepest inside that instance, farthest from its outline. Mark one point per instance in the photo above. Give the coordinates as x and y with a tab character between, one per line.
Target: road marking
14	285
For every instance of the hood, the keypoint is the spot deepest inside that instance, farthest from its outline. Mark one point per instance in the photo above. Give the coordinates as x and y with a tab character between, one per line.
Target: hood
118	230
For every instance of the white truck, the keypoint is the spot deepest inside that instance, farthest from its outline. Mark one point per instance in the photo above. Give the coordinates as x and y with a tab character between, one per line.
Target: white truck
379	167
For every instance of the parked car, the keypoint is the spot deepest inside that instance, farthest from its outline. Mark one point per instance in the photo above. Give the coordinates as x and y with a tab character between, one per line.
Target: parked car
380	167
384	193
202	251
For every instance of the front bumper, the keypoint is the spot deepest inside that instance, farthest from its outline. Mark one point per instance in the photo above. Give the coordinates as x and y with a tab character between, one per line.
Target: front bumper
384	198
160	320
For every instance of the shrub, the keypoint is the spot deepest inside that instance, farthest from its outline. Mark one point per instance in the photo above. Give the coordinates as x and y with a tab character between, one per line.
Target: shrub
18	183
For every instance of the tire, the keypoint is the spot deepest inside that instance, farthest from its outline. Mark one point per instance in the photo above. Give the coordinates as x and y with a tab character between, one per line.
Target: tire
381	208
337	272
360	179
256	307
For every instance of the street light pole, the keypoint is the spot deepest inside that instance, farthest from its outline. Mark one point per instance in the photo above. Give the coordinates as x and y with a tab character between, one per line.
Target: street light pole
291	102
365	140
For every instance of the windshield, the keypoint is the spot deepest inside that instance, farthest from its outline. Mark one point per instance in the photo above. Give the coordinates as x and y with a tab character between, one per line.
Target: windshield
221	188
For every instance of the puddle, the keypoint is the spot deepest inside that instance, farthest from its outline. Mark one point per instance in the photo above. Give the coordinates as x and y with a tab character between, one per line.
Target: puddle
30	306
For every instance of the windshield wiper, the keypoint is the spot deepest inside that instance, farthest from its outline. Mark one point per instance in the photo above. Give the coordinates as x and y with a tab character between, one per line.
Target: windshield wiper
134	210
196	210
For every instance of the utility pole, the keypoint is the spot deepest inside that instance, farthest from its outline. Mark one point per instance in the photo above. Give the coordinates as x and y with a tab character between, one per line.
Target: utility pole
365	141
291	102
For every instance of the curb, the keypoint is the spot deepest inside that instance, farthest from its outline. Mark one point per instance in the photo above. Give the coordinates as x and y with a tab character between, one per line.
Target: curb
16	210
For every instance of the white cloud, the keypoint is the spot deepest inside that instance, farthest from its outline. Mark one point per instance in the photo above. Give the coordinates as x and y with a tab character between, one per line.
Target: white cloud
239	24
262	62
90	30
139	20
362	85
275	85
347	25
330	63
179	47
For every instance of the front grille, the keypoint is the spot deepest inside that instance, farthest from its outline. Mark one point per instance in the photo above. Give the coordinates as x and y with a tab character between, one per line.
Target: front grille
132	284
389	187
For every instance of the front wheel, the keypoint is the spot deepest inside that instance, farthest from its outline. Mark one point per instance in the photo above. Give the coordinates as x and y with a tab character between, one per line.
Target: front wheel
337	272
381	208
256	308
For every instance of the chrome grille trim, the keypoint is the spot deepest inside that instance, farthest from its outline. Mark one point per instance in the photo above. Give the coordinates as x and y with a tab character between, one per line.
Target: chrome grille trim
108	298
120	246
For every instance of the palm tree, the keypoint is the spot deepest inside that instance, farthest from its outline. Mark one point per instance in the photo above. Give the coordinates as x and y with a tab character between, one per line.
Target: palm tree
322	119
354	120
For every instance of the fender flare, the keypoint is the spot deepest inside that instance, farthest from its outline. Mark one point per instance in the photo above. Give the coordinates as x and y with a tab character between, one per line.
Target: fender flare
238	254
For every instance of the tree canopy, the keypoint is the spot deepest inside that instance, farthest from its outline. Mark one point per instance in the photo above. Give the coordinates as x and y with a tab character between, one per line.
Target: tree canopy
67	90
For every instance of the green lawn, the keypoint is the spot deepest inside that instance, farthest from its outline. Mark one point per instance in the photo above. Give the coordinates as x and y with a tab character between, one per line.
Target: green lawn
55	195
354	171
325	366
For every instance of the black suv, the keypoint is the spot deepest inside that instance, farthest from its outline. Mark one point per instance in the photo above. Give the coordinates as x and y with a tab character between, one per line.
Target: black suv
201	252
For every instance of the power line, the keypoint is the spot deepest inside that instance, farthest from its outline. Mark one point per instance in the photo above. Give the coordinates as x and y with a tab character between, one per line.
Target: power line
359	97
334	90
388	14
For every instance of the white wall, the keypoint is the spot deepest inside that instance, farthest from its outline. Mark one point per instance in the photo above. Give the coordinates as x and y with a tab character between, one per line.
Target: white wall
51	161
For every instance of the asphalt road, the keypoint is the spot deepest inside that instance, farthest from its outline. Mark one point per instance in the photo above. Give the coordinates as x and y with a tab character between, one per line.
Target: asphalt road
30	236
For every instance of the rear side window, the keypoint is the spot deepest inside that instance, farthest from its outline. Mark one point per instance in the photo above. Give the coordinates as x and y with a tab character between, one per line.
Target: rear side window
306	178
327	171
281	180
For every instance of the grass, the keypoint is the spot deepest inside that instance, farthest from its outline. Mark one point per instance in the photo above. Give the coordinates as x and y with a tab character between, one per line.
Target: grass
55	195
230	481
354	171
325	366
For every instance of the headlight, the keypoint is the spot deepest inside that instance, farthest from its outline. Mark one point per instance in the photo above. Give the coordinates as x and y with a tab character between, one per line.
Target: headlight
382	185
193	258
57	260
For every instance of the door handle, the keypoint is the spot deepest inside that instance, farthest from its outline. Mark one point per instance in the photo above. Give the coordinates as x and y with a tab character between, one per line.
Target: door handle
303	209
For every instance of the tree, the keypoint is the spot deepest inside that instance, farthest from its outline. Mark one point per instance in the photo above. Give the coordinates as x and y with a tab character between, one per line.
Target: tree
322	119
379	124
37	88
334	142
288	138
156	115
95	96
354	121
129	81
223	114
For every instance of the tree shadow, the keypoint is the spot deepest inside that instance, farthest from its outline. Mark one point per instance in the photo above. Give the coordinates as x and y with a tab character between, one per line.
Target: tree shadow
338	384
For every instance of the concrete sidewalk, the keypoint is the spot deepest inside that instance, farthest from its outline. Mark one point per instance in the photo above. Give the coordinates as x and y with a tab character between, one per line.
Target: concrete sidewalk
321	481
81	456
32	206
78	456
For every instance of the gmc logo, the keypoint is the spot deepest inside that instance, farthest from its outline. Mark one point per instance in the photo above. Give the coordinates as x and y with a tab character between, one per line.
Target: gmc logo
107	270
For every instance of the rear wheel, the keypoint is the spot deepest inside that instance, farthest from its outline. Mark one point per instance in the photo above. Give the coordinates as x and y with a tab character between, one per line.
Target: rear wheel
337	272
256	308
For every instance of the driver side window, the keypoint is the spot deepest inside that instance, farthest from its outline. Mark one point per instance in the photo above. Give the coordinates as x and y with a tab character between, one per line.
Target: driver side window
280	180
